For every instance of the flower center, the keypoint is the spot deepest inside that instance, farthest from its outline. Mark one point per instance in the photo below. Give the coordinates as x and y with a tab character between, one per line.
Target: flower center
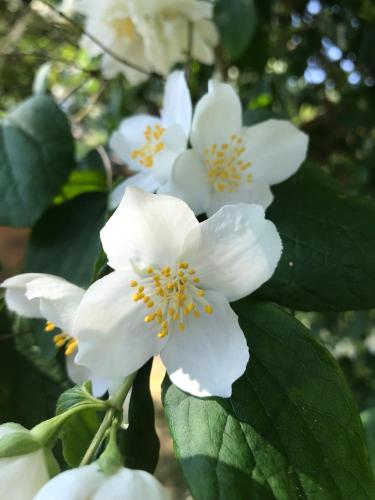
226	168
62	339
146	154
171	296
124	27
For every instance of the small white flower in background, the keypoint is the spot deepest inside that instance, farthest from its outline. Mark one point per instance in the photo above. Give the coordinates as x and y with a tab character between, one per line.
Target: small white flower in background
170	291
230	163
36	295
21	476
91	484
152	34
150	145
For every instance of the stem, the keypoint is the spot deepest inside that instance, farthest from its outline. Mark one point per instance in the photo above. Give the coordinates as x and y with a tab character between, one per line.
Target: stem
116	402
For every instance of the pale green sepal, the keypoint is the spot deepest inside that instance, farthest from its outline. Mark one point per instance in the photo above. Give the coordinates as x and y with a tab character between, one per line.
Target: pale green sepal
19	442
51	462
111	460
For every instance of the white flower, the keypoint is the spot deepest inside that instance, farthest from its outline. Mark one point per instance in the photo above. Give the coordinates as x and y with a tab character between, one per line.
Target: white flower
230	163
170	291
91	484
150	145
23	475
152	34
36	295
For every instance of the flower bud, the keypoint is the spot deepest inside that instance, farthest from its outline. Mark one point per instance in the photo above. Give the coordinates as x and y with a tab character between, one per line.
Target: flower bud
24	463
90	482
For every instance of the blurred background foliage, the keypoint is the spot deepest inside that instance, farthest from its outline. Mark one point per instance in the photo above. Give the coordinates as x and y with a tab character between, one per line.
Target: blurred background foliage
309	61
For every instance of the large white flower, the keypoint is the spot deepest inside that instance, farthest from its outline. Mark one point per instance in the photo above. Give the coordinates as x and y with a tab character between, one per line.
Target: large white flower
90	483
230	163
23	475
150	145
170	291
152	34
37	295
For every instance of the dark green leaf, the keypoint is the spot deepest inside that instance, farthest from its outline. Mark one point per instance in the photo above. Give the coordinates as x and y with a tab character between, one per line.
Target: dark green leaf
368	420
236	21
66	239
77	435
78	395
139	443
28	392
36	156
328	262
290	430
82	181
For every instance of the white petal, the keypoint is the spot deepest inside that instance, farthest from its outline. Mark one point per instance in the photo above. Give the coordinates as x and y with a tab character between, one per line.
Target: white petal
59	300
15	295
177	106
235	251
143	180
189	182
175	142
276	148
22	477
210	354
258	193
217	116
146	229
74	484
80	374
129	484
130	136
113	339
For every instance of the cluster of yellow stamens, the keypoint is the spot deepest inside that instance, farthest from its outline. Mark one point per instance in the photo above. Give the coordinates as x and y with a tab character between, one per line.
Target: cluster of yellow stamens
226	169
62	339
124	27
146	154
171	296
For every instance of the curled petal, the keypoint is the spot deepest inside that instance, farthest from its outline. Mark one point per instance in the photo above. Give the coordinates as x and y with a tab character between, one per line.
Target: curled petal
177	106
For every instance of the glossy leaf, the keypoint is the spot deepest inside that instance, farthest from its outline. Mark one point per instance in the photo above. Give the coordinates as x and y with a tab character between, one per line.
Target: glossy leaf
66	241
328	262
140	443
290	430
36	156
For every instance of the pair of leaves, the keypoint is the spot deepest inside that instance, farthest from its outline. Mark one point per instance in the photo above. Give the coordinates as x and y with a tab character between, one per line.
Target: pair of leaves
290	430
328	262
36	156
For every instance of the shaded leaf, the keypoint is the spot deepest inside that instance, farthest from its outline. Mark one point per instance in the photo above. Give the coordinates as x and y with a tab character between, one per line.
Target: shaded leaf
36	156
290	430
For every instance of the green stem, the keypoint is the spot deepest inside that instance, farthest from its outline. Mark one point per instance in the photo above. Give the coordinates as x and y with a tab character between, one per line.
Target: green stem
47	431
116	403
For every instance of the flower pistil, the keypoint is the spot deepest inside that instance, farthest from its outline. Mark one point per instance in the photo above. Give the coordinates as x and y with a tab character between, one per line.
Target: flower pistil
171	296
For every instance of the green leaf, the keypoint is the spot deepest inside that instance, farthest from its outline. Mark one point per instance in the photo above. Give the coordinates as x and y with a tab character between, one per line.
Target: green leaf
82	181
236	21
28	393
328	262
290	430
78	395
368	420
139	444
36	156
71	231
77	434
